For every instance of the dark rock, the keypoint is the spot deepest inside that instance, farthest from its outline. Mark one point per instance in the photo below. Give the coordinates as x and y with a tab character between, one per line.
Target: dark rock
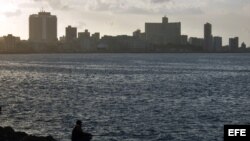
20	135
9	130
34	138
9	134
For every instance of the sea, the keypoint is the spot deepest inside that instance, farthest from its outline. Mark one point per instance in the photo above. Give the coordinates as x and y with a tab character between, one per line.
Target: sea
126	97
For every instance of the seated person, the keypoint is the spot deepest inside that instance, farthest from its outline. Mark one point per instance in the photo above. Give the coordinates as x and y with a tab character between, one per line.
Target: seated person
78	134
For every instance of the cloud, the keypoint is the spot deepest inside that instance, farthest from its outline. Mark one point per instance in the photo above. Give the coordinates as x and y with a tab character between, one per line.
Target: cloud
160	1
56	4
132	7
81	25
143	7
186	11
16	13
119	7
137	10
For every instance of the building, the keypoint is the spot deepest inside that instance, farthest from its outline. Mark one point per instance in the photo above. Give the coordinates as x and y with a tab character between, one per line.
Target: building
243	46
62	39
95	36
217	43
71	33
208	37
122	43
43	27
234	43
184	39
139	35
199	42
163	33
1	42
10	41
84	39
85	34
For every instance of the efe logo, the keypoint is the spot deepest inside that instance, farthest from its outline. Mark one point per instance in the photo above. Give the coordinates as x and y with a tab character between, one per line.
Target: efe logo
236	133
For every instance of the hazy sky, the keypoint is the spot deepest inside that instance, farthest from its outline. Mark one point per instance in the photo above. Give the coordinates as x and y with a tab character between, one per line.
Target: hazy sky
229	17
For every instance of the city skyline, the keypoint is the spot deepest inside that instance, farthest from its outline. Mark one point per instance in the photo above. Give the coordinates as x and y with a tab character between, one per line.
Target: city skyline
230	20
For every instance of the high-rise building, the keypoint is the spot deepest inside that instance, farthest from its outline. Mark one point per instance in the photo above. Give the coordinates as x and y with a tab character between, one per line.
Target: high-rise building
217	42
163	33
71	33
208	37
43	27
234	43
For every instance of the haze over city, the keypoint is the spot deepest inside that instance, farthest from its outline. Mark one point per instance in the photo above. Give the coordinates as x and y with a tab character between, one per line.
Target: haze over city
113	17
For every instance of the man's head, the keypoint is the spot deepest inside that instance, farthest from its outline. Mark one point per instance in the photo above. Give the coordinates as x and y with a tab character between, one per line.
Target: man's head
79	122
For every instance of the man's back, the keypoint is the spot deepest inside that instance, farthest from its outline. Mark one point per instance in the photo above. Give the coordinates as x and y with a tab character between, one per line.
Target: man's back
79	135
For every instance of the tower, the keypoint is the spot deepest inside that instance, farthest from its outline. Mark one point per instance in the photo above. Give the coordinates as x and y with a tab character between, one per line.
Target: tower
43	27
208	37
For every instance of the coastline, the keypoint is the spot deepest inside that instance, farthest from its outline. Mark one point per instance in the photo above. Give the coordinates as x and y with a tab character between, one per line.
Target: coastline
119	52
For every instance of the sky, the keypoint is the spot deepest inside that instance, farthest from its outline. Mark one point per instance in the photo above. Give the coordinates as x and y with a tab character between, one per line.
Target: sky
229	18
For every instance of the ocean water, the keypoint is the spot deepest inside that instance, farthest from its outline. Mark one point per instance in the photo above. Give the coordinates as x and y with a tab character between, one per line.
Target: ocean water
126	97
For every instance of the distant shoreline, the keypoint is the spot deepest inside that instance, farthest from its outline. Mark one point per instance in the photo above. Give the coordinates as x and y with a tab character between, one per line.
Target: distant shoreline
107	52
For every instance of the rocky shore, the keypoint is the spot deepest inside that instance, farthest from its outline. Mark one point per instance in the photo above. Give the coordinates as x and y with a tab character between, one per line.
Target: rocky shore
9	134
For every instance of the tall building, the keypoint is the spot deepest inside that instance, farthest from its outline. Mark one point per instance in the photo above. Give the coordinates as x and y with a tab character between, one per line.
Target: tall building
234	43
71	33
43	27
163	33
217	42
208	37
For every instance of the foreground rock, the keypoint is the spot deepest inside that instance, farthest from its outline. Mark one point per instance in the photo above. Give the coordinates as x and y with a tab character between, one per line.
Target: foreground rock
8	134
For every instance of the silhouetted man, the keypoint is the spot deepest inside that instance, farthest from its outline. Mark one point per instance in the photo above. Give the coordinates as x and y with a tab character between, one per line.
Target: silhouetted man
78	134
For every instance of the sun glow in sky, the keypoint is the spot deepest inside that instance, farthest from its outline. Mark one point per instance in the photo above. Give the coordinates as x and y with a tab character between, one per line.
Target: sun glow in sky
229	17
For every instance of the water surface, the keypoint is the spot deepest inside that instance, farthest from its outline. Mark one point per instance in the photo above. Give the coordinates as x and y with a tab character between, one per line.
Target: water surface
127	97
